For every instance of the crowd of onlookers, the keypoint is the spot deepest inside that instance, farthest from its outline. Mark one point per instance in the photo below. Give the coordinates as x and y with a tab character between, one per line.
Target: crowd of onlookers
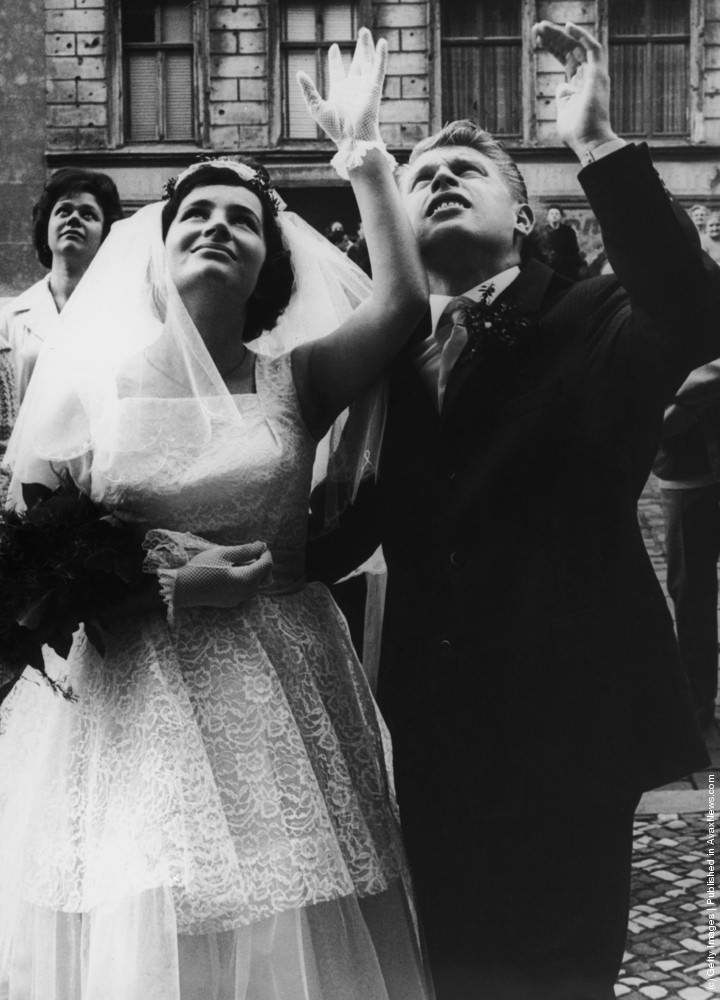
707	223
356	248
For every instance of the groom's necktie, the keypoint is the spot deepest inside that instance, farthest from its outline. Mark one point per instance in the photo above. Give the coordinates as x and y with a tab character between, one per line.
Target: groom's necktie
451	335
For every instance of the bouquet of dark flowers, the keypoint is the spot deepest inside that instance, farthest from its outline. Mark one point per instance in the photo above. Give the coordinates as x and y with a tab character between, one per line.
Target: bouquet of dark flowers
64	560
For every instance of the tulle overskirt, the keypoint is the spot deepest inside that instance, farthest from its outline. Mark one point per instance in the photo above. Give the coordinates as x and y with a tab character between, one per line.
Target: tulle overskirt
347	949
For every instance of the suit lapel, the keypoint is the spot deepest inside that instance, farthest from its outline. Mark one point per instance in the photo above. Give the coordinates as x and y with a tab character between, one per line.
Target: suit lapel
526	295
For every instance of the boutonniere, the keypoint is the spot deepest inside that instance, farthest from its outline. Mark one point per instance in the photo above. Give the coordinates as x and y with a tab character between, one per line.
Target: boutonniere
499	325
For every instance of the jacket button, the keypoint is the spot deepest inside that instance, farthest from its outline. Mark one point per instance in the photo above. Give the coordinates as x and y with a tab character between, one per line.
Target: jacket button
455	559
452	476
445	647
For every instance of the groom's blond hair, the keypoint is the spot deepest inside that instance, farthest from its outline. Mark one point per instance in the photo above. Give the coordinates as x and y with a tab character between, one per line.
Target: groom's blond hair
466	133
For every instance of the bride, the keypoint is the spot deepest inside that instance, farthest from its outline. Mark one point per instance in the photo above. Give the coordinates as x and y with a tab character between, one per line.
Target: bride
212	818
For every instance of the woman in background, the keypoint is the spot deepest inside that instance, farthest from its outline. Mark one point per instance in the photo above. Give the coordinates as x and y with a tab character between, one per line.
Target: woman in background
70	220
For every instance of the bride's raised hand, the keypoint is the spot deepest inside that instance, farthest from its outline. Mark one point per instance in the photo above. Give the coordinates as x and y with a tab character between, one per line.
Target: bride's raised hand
351	112
332	371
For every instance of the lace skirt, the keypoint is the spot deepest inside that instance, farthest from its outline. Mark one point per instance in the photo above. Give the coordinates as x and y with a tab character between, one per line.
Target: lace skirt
211	819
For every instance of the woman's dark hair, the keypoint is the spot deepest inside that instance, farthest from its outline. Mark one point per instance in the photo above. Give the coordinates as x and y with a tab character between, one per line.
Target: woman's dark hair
67	181
274	285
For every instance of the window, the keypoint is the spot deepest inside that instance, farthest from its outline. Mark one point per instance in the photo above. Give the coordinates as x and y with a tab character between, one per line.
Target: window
649	49
307	30
481	63
158	56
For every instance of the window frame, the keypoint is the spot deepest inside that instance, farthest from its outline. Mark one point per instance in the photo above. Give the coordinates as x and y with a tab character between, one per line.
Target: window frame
528	17
276	71
200	43
695	132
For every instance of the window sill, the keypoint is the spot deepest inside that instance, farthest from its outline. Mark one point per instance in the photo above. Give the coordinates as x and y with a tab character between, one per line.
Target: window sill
301	154
160	154
674	149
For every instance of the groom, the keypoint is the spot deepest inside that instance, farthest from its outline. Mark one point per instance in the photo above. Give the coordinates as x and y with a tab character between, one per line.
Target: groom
529	675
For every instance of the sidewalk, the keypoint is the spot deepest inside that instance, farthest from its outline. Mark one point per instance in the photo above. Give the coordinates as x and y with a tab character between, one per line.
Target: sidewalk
668	932
670	920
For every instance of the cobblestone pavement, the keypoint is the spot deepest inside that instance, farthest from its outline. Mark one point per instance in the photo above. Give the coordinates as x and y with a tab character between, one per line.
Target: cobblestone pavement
669	951
668	933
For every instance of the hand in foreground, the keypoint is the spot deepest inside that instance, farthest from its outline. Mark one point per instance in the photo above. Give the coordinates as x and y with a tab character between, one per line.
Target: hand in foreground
583	101
223	576
352	109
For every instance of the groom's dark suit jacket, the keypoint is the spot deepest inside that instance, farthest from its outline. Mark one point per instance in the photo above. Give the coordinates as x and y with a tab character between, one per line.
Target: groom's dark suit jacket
526	637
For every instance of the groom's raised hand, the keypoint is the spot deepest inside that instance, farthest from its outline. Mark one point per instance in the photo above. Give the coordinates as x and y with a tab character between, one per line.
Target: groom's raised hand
583	100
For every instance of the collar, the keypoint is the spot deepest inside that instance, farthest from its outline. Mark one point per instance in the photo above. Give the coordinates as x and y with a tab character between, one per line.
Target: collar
499	282
36	295
37	308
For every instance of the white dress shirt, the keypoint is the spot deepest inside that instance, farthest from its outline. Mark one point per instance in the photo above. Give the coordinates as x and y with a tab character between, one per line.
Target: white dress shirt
426	355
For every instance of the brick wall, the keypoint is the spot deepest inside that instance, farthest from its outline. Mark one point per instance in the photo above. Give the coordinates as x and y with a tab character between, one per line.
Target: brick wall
77	74
240	69
239	72
405	112
240	98
22	131
711	96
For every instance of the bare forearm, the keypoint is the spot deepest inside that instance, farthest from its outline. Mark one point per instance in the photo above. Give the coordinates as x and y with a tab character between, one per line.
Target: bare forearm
333	371
343	366
399	282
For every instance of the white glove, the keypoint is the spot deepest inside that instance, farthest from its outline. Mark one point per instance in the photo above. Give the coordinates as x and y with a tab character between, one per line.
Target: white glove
351	114
222	576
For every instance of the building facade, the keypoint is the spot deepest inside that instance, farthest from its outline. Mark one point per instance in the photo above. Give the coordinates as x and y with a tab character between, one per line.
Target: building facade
140	89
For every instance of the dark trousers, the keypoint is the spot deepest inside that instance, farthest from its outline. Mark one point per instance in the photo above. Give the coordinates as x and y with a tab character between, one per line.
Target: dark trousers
692	543
528	901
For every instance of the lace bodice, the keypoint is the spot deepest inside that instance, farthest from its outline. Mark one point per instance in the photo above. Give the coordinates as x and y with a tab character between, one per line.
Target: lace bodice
252	483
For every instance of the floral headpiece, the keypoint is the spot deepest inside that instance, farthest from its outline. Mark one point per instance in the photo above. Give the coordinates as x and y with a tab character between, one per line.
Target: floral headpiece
256	179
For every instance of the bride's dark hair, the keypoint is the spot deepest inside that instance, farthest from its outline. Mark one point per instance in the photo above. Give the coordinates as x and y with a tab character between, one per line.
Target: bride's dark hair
275	281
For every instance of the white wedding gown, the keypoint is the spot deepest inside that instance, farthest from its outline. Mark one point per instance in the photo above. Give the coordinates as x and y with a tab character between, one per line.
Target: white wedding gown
212	819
